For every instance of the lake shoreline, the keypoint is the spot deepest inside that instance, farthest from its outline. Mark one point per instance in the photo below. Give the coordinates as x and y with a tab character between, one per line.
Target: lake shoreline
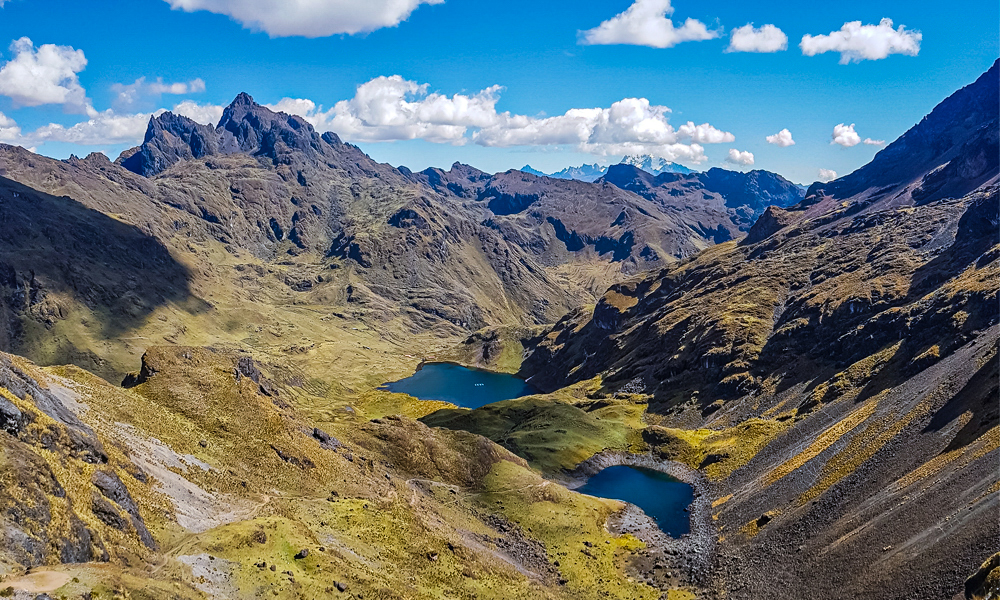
692	553
460	385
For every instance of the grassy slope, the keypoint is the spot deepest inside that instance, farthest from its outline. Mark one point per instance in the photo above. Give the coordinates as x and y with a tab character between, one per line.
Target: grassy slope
404	494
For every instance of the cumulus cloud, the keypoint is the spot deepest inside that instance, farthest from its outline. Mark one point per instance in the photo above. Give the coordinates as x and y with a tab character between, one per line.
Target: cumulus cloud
871	142
857	42
10	133
646	23
44	75
827	175
133	93
783	139
739	158
393	108
845	135
107	127
206	114
764	39
308	18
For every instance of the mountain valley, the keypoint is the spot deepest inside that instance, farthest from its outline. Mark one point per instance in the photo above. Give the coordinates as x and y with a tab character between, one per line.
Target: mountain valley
195	338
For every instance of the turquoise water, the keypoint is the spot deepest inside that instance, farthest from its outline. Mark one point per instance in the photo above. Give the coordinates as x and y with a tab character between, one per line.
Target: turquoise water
470	388
662	497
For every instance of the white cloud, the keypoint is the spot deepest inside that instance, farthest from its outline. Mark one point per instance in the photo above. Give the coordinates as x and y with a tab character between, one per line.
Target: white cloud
871	142
783	139
827	175
206	114
765	39
129	95
646	23
704	133
392	108
308	18
10	133
46	75
845	135
739	158
107	127
857	42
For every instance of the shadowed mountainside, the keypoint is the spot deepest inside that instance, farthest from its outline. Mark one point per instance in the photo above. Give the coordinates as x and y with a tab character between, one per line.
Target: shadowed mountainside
58	256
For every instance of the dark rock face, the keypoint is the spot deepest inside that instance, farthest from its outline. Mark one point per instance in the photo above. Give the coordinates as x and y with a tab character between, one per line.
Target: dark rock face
769	223
113	489
245	127
170	139
70	436
11	419
248	128
145	372
325	439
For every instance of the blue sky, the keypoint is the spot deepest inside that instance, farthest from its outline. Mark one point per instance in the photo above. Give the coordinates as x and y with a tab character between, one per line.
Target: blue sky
534	50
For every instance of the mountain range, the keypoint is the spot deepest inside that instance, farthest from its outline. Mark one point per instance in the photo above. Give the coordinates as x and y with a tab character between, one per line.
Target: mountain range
650	164
195	338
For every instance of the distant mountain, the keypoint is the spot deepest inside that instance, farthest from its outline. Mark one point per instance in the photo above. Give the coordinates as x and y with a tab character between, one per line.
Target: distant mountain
743	196
582	173
654	165
589	173
584	217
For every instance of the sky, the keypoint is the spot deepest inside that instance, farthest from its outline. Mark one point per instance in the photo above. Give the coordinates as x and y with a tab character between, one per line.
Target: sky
807	90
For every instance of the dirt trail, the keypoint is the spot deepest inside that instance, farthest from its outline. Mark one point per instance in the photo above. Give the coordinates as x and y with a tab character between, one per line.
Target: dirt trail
39	582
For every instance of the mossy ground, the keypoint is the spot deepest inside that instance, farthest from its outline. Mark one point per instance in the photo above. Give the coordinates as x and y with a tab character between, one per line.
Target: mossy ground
555	432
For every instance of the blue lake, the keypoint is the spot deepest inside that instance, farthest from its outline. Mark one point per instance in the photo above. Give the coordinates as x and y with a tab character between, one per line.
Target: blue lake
659	495
470	388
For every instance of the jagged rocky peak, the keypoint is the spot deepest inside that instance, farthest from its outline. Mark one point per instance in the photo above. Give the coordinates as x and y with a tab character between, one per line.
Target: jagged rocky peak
170	138
246	127
251	128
